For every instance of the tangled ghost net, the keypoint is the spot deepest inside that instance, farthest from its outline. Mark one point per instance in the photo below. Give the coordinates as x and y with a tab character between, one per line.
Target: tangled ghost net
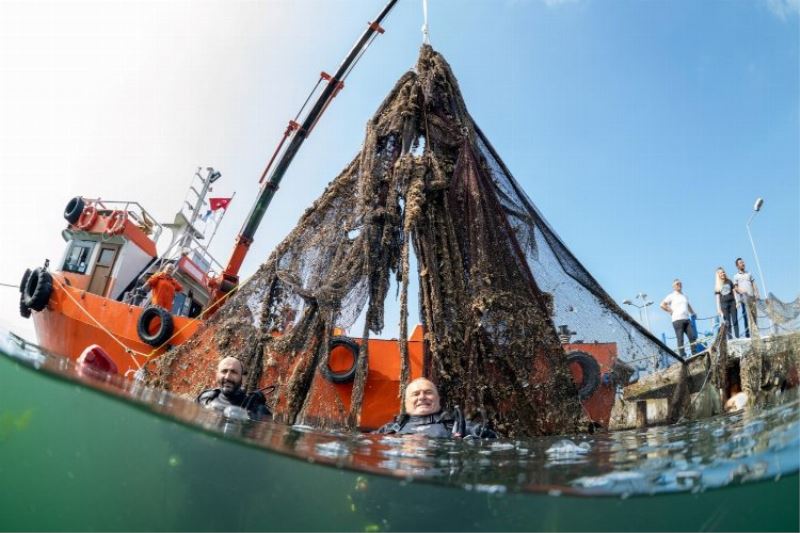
426	182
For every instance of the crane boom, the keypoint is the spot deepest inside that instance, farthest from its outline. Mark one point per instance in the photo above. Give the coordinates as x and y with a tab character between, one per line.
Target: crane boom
229	277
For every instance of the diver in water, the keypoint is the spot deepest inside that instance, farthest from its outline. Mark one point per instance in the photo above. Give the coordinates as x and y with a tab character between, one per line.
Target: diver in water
229	380
424	416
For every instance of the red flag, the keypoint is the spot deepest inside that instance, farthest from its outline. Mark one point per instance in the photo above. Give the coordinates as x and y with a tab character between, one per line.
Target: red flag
219	203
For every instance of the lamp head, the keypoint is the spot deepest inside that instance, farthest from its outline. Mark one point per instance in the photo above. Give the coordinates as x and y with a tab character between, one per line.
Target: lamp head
627	302
758	204
213	175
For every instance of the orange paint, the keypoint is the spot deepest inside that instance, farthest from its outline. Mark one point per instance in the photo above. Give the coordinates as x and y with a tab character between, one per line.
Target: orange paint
65	327
598	405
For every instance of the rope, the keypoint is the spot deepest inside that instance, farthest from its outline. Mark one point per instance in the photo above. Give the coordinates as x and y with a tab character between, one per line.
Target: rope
426	38
9	285
710	370
151	356
125	347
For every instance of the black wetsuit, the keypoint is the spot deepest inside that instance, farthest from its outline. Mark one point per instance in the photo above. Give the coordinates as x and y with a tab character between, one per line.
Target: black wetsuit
255	403
442	425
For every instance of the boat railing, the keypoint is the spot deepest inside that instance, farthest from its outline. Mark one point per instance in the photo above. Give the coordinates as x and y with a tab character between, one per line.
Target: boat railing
186	244
140	216
200	255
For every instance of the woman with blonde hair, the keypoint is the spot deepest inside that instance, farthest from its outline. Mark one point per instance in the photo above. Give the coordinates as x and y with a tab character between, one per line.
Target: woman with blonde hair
726	301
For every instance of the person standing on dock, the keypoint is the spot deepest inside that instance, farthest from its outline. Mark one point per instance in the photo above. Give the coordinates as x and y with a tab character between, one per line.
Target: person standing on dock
726	301
747	290
678	306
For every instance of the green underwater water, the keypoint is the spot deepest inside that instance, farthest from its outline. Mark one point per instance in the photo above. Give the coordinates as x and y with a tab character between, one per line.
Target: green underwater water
73	457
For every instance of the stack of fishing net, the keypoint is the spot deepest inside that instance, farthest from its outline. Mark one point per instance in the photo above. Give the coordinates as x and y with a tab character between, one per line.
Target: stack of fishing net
494	279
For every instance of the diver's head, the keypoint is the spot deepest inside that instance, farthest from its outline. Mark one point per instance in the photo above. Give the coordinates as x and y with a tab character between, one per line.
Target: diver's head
229	375
422	398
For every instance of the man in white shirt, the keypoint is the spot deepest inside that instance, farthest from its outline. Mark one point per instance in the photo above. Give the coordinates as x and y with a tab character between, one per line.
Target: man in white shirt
677	305
745	285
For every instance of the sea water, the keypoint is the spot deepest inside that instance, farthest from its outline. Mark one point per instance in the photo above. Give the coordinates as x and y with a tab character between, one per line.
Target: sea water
78	452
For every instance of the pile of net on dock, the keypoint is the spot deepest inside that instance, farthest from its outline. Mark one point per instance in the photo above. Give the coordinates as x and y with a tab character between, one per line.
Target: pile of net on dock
494	279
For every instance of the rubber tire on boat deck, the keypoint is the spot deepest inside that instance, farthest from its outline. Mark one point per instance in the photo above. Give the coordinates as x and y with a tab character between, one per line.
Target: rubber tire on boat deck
164	331
38	288
345	376
591	373
74	209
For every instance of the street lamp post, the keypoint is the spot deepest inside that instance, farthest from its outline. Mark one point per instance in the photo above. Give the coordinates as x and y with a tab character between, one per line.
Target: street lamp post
642	296
756	208
644	305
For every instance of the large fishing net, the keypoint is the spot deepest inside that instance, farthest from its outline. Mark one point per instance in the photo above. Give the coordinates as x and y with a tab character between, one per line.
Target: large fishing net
494	279
781	317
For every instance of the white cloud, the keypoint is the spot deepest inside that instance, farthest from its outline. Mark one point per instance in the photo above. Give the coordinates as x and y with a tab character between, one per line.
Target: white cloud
783	9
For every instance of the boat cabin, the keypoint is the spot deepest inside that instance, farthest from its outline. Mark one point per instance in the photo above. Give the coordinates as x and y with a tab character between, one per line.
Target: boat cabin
111	251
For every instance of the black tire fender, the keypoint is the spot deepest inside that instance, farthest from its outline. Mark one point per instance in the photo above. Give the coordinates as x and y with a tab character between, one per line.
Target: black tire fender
24	281
38	288
74	209
24	310
591	373
344	376
165	328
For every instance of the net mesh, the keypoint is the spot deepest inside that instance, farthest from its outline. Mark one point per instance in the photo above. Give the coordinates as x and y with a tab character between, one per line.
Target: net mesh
494	279
780	316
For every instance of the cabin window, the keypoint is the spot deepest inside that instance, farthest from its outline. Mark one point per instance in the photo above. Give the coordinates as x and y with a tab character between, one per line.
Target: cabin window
78	257
178	304
106	256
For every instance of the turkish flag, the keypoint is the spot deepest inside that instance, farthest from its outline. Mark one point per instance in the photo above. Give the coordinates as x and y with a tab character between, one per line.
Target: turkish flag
219	203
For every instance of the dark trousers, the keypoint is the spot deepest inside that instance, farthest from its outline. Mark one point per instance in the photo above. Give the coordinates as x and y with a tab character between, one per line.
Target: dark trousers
743	309
681	327
729	316
748	310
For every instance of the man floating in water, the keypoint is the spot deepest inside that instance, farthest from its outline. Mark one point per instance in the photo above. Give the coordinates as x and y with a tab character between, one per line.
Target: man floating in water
230	393
424	416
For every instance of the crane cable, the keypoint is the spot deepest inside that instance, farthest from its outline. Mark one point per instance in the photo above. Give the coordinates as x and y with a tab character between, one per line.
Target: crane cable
426	38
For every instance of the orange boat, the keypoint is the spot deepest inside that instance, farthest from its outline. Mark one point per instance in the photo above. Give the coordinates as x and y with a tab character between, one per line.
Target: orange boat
95	296
96	293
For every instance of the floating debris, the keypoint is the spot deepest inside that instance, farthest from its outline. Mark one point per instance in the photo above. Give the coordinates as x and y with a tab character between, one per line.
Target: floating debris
567	448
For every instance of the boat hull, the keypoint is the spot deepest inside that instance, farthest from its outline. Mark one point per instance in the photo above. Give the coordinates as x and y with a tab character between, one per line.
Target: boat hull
75	319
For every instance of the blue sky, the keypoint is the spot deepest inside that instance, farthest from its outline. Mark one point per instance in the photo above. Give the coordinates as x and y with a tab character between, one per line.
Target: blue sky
642	130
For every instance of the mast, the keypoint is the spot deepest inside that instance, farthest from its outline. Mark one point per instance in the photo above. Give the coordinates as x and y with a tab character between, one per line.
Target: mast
298	133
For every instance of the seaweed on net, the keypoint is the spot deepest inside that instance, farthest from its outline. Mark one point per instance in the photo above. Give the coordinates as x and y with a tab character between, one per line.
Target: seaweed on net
425	178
